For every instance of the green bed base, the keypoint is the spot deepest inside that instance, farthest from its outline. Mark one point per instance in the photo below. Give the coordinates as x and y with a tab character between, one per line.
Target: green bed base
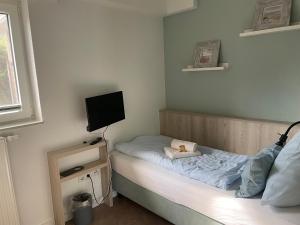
175	213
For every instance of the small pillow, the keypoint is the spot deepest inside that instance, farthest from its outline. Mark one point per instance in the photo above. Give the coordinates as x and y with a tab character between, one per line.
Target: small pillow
256	172
283	185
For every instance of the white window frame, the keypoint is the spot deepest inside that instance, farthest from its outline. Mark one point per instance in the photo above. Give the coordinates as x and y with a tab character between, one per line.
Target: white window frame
30	112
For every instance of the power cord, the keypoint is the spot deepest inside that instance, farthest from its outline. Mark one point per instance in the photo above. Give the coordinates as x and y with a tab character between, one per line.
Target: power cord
110	175
89	176
284	137
98	139
108	188
103	135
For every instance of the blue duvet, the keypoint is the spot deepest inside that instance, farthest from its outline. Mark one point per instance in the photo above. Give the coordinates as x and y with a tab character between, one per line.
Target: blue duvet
214	167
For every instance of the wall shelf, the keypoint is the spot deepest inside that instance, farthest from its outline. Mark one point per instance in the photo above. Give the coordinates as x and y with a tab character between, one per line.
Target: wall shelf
89	167
250	32
222	66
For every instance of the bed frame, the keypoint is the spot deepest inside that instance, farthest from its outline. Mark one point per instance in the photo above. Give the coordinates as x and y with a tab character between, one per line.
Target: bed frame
238	135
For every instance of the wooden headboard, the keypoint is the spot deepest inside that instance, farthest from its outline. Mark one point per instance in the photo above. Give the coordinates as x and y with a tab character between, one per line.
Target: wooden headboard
242	136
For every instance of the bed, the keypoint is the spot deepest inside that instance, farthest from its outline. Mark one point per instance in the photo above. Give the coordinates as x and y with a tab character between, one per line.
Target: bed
184	201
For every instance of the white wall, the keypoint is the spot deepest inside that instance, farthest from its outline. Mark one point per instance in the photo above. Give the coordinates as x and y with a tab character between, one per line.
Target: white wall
84	49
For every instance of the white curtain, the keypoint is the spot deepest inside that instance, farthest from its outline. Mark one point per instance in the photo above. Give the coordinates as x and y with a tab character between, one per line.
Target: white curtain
8	206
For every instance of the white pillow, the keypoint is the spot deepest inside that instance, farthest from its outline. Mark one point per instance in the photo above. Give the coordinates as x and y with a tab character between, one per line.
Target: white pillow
283	185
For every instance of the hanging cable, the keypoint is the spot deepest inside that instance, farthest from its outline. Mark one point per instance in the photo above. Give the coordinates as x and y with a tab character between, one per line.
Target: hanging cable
103	135
94	194
284	137
93	188
108	191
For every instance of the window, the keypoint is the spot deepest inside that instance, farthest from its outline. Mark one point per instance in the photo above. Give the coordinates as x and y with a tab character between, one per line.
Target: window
19	97
9	88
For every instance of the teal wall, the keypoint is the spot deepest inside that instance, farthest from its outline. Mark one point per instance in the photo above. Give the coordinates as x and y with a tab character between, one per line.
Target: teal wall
264	78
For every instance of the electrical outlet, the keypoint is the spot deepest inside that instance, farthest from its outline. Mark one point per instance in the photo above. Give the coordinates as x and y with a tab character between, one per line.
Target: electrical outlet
84	177
95	173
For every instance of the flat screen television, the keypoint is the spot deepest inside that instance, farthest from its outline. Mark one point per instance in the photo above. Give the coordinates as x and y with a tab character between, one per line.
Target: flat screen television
104	110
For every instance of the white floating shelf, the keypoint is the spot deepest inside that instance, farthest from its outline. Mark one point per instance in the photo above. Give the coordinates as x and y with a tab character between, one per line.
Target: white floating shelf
249	33
222	66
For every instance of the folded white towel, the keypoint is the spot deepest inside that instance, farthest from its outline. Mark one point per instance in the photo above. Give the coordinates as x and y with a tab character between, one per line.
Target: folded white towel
176	154
184	146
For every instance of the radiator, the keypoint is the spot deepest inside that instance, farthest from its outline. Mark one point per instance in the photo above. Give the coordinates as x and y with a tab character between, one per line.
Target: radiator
8	206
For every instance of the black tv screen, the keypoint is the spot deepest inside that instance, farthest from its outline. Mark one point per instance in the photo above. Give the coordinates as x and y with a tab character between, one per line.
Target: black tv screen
104	110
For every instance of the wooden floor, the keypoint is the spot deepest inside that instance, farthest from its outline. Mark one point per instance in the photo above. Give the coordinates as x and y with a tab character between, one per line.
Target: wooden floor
125	212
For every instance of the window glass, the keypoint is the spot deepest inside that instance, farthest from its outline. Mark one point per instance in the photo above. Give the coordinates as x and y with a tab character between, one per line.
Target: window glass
9	90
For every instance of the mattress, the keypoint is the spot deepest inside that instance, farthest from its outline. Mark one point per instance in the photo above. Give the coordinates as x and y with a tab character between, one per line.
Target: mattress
214	167
215	203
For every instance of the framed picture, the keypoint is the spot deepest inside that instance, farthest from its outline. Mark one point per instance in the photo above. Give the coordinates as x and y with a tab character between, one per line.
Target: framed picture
206	54
272	13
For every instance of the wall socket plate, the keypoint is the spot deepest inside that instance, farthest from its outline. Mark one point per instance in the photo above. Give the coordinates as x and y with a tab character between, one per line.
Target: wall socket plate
84	177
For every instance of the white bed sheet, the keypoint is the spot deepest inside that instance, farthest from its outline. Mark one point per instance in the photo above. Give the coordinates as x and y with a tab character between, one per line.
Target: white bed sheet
215	203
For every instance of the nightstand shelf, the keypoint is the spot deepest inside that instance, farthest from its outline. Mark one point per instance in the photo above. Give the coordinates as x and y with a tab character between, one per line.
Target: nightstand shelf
89	167
56	180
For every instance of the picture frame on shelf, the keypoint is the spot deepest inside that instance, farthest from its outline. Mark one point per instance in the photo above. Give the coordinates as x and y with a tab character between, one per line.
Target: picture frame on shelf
271	14
206	54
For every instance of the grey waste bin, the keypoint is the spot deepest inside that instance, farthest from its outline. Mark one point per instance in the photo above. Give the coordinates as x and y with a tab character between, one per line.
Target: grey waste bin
82	209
